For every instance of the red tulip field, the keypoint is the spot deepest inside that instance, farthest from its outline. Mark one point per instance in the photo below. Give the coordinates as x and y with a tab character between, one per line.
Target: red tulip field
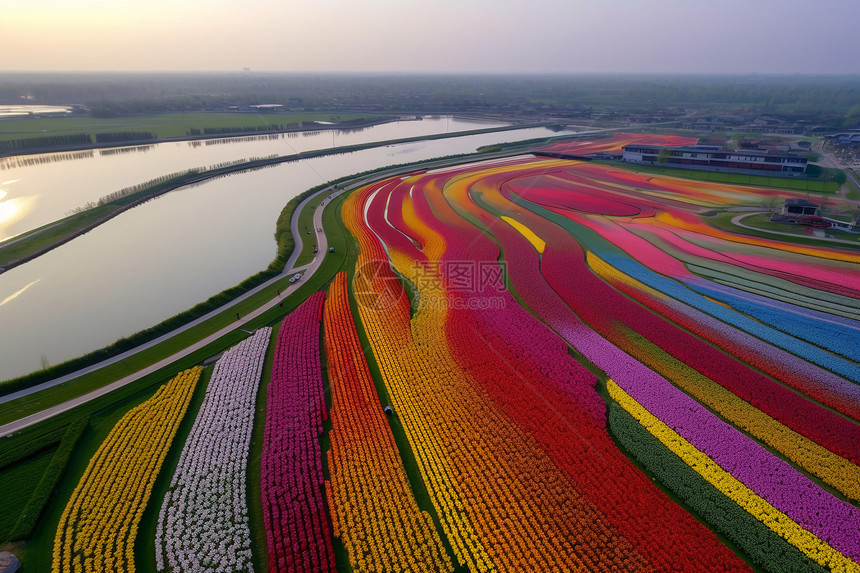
526	364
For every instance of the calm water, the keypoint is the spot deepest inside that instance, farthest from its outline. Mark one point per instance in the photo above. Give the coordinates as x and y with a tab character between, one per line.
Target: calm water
171	253
38	189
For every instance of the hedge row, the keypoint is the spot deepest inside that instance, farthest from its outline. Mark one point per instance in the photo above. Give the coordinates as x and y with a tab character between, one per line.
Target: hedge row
48	141
55	470
27	449
247	129
764	547
120	136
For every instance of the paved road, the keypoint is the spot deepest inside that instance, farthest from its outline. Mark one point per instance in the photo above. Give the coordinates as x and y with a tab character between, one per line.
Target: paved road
737	221
830	160
289	269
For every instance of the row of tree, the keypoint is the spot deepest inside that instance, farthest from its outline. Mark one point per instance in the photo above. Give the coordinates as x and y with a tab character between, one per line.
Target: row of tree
122	136
123	94
76	139
243	129
48	141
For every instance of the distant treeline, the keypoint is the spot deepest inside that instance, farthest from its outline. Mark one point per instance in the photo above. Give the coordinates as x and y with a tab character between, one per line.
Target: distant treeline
121	136
49	141
73	140
245	129
836	97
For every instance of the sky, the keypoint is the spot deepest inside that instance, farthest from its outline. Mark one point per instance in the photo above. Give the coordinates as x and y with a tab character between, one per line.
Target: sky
438	36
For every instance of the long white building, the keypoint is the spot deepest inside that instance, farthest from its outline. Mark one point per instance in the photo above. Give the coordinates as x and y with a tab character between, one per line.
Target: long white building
714	156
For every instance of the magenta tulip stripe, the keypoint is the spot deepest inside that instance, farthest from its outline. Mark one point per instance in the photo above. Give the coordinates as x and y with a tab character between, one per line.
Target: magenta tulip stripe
772	405
203	522
527	363
298	535
499	401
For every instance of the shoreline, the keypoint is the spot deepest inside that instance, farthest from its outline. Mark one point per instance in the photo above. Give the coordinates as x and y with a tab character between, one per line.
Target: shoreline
247	165
181	138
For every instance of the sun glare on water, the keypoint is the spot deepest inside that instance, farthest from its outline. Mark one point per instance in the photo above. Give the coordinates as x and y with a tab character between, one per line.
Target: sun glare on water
12	211
17	293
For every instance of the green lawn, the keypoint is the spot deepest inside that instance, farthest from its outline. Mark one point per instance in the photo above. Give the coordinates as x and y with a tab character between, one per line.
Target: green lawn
49	234
799	233
35	552
306	228
161	125
792	183
21	479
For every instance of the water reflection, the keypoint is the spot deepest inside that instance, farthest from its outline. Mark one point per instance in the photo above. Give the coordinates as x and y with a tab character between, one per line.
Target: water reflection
163	257
18	292
118	150
20	161
59	183
232	140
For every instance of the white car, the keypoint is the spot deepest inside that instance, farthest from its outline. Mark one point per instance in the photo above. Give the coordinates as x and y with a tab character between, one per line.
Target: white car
295	277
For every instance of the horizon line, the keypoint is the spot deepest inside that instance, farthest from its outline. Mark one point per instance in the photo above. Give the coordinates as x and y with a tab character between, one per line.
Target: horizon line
251	71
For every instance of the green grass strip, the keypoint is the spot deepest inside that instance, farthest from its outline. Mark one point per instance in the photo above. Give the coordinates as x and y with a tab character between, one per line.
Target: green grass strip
794	182
39	499
20	451
764	547
164	125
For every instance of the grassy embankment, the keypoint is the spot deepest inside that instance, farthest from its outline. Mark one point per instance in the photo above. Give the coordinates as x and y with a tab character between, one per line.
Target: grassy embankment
307	230
51	234
764	228
824	184
38	241
168	125
106	410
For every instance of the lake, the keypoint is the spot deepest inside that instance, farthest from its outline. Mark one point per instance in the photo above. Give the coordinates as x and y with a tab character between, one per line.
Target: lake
174	251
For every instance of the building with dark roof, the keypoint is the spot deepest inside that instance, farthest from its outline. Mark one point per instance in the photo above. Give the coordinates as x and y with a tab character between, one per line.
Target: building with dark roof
799	207
711	156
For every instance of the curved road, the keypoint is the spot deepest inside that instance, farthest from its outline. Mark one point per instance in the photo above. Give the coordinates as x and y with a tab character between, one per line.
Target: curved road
736	220
289	269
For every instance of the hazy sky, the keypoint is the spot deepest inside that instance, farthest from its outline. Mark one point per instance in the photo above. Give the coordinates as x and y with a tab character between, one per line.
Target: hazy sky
688	36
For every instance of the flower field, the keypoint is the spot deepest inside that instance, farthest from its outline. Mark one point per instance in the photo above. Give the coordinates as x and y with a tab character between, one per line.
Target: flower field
203	522
755	395
298	536
98	527
373	508
526	364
